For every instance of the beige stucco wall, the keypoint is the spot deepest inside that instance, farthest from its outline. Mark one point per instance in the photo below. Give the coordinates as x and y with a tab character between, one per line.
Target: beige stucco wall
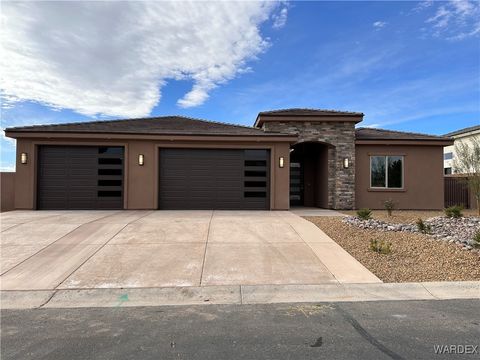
423	177
141	182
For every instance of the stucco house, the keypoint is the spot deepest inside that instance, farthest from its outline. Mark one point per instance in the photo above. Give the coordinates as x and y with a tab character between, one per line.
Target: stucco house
462	135
291	157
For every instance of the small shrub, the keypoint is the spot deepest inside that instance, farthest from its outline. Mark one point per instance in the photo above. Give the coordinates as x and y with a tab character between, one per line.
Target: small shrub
389	206
422	227
454	211
476	240
364	214
380	247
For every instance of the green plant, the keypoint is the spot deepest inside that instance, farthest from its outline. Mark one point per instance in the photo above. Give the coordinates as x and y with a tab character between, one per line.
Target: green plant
380	247
476	240
422	227
389	206
454	211
364	214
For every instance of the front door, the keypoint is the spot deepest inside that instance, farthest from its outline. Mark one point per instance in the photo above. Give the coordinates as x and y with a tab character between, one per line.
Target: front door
296	183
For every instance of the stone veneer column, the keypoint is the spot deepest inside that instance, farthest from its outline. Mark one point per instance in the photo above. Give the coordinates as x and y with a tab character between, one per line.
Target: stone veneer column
341	136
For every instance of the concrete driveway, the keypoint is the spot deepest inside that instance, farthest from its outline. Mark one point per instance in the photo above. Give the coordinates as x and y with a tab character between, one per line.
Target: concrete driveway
44	250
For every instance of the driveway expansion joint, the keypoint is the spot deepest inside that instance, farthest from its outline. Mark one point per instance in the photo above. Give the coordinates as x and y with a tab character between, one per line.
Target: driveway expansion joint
53	242
48	300
100	247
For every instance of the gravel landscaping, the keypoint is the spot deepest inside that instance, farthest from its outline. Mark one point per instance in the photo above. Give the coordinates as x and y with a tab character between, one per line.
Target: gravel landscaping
414	256
408	216
460	231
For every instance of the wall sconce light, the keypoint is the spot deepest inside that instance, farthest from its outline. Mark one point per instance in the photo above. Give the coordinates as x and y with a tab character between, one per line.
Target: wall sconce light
345	163
23	158
141	159
281	162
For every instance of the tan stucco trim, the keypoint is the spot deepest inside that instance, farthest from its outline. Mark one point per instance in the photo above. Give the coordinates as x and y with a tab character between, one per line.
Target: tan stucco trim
108	136
261	119
405	142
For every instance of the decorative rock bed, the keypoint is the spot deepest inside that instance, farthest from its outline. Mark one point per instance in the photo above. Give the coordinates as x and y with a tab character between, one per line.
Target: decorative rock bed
460	231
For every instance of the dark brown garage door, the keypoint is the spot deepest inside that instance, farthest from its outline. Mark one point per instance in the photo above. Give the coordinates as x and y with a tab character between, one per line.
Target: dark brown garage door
214	179
80	177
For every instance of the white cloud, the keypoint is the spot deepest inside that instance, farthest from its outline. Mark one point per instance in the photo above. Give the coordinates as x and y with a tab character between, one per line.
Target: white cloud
456	19
280	18
112	58
423	5
379	24
7	139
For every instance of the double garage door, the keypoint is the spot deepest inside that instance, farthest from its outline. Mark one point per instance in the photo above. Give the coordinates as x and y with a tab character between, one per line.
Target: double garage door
92	177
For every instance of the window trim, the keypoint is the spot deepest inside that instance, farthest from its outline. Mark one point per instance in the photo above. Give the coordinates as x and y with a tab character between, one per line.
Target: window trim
386	187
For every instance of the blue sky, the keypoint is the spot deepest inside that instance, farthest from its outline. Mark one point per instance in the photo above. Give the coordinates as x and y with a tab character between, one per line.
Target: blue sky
407	65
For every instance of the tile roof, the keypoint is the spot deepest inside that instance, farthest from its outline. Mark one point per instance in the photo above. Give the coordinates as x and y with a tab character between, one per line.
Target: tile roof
304	111
382	134
169	125
463	131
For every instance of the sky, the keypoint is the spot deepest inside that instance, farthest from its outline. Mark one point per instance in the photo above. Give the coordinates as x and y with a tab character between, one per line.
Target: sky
409	66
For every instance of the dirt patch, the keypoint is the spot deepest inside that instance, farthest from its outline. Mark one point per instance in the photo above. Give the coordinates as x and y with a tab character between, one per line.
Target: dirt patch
408	216
414	257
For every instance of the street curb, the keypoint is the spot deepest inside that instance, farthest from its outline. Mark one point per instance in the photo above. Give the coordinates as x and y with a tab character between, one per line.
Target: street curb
235	294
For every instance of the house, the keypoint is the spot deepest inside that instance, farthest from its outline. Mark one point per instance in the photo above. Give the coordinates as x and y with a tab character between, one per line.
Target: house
463	135
292	157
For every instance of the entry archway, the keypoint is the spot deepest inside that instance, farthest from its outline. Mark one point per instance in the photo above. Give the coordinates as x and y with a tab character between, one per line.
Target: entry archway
309	174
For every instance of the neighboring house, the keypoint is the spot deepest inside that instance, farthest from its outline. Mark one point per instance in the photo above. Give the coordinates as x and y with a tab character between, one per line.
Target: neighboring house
293	157
463	135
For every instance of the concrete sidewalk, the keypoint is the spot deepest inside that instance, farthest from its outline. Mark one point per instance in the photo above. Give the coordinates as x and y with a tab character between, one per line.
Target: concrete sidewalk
244	294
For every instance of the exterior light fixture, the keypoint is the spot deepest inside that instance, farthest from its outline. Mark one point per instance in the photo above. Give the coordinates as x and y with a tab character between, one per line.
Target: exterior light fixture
281	162
345	163
23	158
141	159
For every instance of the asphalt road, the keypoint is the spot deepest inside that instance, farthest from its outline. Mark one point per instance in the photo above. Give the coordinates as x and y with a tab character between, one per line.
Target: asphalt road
370	330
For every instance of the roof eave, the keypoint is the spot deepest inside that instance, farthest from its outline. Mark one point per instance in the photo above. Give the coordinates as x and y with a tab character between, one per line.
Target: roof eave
129	135
353	117
431	142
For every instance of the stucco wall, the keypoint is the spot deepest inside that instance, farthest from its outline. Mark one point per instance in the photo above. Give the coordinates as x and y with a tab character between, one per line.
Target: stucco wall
339	134
141	182
7	184
423	177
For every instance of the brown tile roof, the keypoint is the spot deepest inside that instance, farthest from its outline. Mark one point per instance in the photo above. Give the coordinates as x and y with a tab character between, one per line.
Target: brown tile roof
169	125
381	134
463	131
303	111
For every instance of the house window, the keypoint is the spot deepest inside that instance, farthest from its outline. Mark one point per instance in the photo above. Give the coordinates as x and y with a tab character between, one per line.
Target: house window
448	171
386	172
448	156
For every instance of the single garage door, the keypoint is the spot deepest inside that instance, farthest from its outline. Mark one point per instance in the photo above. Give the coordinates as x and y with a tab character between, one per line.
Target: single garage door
214	179
80	177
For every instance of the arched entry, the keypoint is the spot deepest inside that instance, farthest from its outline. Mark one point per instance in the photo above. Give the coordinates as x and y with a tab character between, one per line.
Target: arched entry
309	167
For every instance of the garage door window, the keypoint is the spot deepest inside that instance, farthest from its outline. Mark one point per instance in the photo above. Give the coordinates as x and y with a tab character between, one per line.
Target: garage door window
255	174
110	172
